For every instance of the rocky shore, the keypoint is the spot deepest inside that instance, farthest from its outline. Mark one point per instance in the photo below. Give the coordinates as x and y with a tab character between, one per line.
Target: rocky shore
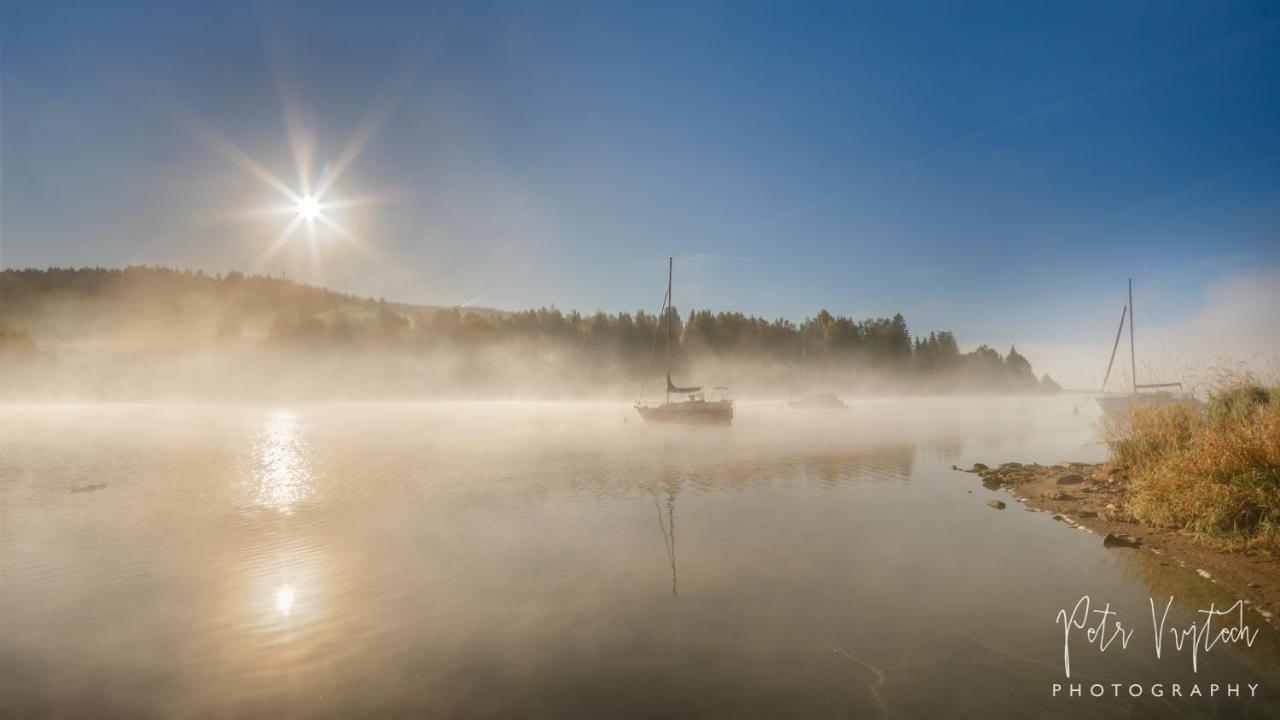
1092	498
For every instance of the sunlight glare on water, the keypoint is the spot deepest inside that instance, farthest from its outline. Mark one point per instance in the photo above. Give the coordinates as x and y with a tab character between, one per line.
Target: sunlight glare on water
284	600
283	462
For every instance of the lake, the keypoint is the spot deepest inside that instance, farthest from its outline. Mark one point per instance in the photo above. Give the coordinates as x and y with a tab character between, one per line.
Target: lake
554	559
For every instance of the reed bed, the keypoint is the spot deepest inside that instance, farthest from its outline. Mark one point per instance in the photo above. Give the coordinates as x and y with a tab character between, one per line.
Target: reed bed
1211	469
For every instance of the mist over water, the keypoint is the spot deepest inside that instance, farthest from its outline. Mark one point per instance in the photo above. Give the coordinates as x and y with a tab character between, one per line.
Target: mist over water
160	334
483	559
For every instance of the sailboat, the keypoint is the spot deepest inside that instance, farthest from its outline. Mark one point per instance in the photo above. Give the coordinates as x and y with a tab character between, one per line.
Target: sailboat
697	408
815	401
1120	404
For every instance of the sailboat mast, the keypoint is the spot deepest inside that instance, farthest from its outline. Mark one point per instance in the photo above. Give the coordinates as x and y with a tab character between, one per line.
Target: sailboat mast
670	311
1133	359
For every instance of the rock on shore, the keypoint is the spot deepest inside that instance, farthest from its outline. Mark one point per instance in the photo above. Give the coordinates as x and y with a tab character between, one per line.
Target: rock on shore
1096	503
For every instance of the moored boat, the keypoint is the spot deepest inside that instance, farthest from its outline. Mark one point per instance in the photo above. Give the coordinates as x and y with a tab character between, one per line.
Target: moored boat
697	408
814	401
819	401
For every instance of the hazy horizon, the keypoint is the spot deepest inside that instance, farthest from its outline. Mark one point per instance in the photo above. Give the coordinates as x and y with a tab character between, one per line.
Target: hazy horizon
1229	334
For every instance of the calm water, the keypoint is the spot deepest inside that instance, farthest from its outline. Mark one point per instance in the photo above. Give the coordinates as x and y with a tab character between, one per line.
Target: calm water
554	559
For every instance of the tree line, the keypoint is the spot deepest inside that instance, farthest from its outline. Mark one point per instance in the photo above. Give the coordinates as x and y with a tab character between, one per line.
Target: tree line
40	306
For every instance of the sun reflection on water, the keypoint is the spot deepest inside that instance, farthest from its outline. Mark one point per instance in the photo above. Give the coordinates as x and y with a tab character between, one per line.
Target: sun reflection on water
284	600
283	462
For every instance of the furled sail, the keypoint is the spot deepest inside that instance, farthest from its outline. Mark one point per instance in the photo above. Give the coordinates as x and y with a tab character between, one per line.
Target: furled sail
674	389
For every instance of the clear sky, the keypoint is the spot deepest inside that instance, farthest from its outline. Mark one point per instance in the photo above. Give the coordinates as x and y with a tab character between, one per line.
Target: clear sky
994	169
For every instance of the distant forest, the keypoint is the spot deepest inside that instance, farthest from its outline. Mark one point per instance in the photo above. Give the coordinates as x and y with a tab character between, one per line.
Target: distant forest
153	330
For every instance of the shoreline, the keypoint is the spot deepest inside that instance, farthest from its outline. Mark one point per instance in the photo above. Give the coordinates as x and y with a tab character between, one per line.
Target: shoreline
1091	497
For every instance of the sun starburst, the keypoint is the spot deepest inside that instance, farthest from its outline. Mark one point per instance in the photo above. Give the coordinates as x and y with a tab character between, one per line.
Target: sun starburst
310	207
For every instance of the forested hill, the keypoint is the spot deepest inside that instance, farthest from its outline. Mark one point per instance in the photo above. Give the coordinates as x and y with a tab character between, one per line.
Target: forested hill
166	304
82	319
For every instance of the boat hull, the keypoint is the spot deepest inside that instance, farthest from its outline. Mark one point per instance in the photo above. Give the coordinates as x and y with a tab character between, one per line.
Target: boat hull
825	401
1120	405
688	413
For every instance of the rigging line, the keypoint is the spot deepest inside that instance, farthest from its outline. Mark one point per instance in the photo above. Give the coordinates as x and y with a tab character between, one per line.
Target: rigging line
1114	347
653	349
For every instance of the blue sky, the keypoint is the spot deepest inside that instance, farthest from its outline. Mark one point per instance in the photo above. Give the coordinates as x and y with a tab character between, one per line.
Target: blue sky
996	169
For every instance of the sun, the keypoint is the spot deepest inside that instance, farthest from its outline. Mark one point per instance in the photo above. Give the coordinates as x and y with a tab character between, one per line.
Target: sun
308	207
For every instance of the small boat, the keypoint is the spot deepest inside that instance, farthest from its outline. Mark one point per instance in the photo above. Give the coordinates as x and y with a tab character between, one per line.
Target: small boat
697	408
819	401
814	401
1120	404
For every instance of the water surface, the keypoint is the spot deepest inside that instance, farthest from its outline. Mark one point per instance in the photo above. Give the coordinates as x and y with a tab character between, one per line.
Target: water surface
509	559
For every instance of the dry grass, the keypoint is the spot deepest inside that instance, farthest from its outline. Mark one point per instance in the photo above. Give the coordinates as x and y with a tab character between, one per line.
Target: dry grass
1211	469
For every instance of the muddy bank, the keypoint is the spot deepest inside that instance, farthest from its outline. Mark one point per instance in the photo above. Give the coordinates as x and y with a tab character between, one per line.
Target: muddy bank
1092	497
